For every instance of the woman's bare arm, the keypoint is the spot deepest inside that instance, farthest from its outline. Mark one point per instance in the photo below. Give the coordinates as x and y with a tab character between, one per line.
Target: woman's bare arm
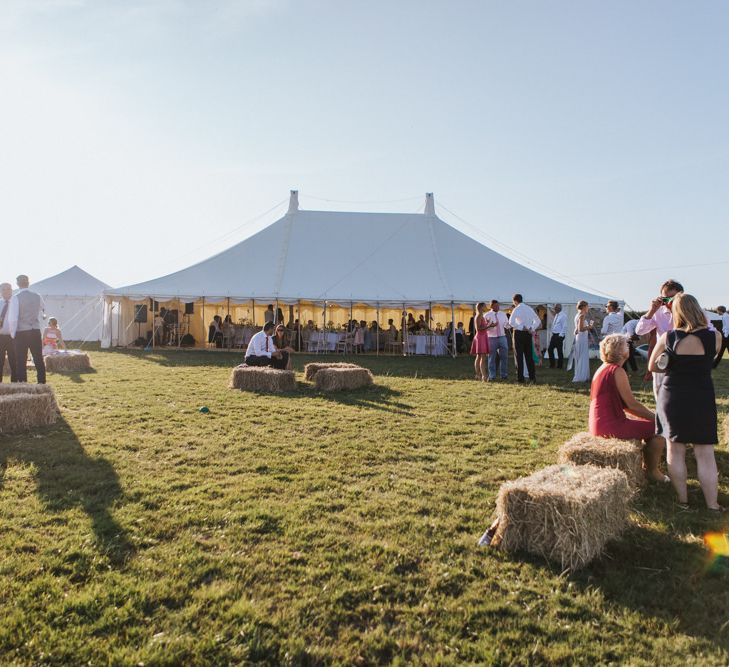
633	406
658	350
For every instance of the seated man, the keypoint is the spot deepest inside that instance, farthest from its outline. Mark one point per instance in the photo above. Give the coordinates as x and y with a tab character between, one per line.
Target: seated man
262	350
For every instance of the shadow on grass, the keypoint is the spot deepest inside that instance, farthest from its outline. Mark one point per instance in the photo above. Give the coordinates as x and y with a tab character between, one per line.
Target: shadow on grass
68	477
74	376
376	398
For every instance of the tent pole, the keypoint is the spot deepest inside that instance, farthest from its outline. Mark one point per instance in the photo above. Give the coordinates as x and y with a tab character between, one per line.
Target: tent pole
154	332
298	328
453	330
404	324
205	331
253	319
275	315
377	332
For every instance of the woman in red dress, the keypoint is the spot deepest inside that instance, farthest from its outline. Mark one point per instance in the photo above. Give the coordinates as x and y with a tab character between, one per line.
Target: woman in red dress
611	401
480	344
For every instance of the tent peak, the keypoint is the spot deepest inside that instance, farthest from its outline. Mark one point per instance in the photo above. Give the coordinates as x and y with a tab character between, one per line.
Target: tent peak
429	204
294	201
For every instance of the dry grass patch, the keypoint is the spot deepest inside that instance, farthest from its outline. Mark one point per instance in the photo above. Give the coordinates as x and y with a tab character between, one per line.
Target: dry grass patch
625	455
263	379
566	513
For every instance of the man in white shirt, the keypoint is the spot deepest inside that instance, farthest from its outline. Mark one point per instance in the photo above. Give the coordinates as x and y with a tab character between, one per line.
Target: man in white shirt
262	351
7	345
724	332
524	321
24	314
614	320
498	345
556	341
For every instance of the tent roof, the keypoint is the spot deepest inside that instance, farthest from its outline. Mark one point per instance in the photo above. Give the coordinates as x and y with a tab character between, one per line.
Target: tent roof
71	282
359	257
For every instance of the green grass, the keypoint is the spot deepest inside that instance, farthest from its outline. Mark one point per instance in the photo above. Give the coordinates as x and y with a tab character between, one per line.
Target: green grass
312	529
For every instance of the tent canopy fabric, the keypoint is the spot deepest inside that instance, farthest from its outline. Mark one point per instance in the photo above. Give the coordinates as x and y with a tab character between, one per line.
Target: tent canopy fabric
364	258
71	282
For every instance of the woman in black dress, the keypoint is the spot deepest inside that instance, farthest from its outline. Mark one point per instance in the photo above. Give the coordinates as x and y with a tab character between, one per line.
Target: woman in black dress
686	405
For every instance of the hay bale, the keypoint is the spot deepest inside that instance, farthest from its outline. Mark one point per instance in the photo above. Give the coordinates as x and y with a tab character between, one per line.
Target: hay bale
21	412
7	388
73	362
262	378
341	379
625	455
565	513
310	370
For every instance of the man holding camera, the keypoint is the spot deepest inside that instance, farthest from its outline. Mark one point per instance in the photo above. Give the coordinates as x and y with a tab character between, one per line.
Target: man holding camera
659	318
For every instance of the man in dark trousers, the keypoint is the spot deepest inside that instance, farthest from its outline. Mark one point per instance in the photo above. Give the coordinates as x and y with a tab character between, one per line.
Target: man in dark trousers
7	345
724	333
524	322
24	314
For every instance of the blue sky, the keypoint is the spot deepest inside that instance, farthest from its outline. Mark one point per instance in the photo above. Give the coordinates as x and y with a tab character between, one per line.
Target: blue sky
590	137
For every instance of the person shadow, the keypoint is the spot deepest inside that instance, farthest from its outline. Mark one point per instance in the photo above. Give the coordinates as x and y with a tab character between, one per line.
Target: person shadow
67	477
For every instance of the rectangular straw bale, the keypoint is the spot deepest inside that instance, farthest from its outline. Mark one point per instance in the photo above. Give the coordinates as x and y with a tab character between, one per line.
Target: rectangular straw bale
625	455
565	513
24	412
58	363
339	379
262	378
24	388
310	370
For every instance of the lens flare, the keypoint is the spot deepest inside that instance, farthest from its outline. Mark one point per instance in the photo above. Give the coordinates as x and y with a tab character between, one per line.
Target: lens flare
717	544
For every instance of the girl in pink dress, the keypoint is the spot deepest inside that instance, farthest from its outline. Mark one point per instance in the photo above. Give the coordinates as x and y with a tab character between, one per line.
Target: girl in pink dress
480	345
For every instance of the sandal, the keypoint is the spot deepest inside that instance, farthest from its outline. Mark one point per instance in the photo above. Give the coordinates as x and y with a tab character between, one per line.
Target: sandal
716	510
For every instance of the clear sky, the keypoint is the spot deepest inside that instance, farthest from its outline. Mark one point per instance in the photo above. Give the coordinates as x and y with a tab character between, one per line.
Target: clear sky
591	137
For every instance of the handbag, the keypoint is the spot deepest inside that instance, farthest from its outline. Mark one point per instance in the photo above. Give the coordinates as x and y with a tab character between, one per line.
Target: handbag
665	359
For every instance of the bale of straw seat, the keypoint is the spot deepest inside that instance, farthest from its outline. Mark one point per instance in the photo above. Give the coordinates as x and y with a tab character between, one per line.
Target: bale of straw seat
625	455
7	388
565	513
342	379
59	363
25	410
262	378
310	370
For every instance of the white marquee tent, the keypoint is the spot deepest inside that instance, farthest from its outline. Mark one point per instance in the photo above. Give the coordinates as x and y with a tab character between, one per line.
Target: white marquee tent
75	298
328	266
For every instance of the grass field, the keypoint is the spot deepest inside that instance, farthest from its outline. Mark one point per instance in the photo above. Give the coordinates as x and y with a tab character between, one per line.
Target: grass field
309	529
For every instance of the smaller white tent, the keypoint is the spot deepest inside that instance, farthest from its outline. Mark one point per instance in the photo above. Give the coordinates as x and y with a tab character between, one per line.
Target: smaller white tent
75	298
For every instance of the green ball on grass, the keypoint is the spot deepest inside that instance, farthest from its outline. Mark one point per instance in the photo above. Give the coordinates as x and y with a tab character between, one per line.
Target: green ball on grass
204	409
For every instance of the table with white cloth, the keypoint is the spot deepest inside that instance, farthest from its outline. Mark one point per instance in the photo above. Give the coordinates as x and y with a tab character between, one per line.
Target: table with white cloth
324	341
241	335
433	344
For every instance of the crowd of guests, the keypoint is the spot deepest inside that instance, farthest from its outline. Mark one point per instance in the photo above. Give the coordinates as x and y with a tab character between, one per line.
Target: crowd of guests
20	331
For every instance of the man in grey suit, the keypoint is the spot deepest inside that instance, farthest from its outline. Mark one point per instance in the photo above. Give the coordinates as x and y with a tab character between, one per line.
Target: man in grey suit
7	344
24	320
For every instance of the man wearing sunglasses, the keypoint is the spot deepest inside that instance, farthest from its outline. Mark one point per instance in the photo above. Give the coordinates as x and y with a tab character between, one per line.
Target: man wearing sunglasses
660	318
